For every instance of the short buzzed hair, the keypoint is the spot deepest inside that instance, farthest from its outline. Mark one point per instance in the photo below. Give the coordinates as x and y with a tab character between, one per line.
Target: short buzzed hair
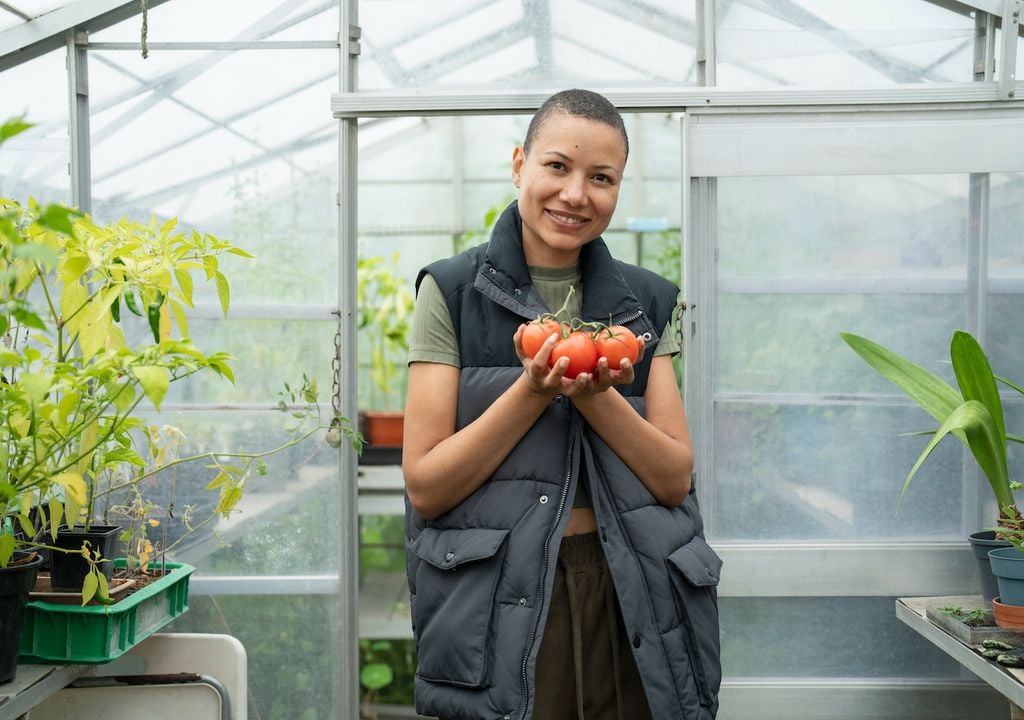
579	103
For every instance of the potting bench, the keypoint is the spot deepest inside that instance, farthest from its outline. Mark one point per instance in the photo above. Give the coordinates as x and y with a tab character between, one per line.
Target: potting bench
1009	682
33	684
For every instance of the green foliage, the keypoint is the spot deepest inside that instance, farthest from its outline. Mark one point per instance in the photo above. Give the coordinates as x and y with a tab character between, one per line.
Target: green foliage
70	383
385	310
974	414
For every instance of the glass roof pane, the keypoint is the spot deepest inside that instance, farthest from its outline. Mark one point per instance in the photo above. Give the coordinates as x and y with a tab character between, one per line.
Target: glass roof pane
35	163
199	20
561	42
865	44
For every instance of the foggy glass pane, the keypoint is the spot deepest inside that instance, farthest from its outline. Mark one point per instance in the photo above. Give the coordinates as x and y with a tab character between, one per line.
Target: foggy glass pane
267	353
287	520
260	172
196	20
840	637
790	343
831	472
1006	205
465	43
906	227
35	162
290	648
865	44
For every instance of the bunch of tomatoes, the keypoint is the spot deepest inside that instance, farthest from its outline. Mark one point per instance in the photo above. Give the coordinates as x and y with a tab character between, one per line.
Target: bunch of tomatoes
582	343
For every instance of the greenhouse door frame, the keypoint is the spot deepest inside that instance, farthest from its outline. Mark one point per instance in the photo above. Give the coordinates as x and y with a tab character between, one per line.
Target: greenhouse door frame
976	139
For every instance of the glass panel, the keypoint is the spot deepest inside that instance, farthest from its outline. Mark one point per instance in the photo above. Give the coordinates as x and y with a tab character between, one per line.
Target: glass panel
831	472
796	638
198	20
818	43
911	227
290	645
35	163
789	343
262	176
287	520
267	353
1004	343
494	42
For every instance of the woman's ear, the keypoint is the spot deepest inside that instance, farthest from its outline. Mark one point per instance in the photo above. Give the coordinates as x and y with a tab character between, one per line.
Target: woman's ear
518	158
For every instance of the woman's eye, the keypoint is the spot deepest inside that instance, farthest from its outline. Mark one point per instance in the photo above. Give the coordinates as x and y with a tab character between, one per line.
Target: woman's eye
602	178
555	165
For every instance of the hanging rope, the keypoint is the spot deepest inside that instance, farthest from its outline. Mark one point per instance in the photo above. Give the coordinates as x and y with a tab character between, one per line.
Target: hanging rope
145	29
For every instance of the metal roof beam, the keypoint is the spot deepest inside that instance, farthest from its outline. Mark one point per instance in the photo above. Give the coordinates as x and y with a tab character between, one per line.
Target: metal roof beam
45	33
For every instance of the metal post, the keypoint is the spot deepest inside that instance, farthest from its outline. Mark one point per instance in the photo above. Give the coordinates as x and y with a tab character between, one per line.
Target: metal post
346	684
79	167
705	27
974	497
1008	48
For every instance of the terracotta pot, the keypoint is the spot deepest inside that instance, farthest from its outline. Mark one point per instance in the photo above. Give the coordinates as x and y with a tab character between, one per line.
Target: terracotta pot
1008	616
384	429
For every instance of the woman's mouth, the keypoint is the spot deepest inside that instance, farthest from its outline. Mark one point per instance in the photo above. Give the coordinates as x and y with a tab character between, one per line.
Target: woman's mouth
565	219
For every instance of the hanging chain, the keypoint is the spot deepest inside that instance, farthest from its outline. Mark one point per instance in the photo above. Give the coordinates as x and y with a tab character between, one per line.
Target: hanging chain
145	29
334	432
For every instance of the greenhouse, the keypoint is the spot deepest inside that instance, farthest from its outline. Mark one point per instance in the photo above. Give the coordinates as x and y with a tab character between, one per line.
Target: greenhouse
836	187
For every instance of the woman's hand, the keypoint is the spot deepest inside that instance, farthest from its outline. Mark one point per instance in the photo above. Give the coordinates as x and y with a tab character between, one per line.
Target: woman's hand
543	380
605	377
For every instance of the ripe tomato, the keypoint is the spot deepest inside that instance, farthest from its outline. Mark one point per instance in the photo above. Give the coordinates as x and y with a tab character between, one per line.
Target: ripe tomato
536	333
579	347
617	343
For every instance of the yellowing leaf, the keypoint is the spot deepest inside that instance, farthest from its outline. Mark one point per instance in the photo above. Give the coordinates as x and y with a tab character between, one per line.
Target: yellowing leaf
154	382
89	587
56	515
73	484
180	318
67	405
185	283
223	292
73	297
165	323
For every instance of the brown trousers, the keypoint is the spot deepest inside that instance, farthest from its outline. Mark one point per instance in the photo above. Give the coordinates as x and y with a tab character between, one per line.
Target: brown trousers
585	667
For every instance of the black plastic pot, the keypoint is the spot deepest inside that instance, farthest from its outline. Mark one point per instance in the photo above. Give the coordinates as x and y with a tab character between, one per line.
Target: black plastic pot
16	581
68	569
981	543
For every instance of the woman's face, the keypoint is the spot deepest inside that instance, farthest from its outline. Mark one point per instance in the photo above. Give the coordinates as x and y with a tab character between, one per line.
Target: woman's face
568	187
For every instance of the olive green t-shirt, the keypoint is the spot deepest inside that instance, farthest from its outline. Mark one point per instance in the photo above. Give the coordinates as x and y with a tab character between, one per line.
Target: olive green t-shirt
432	334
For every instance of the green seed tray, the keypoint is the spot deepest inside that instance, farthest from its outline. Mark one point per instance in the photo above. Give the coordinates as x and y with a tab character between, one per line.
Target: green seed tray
58	633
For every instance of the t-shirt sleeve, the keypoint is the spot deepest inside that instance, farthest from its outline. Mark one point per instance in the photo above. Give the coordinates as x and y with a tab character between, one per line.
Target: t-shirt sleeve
670	342
432	335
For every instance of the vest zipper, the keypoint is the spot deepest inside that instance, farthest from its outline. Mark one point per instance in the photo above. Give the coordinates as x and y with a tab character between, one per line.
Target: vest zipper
544	572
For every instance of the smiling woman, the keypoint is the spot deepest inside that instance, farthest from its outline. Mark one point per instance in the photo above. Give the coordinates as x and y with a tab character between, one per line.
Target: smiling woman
506	576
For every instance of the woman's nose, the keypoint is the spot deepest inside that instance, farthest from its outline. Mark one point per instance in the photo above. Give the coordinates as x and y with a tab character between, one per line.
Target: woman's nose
574	191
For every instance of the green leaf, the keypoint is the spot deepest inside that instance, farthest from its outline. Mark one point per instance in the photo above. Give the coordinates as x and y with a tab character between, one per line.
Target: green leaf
89	587
36	252
6	548
56	515
1006	382
154	381
980	434
240	252
223	292
374	676
11	128
974	375
185	283
58	217
928	390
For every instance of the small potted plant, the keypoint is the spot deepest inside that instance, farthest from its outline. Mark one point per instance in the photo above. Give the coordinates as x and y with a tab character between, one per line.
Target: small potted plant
385	310
973	414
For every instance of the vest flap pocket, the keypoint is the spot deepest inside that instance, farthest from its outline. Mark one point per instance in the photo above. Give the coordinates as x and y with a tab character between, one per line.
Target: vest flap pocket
447	549
698	562
452	611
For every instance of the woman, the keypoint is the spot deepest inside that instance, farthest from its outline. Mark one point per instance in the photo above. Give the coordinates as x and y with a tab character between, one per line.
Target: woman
555	558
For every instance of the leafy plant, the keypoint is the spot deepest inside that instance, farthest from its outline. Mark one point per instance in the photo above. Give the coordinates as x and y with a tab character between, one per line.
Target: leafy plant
385	309
973	414
71	292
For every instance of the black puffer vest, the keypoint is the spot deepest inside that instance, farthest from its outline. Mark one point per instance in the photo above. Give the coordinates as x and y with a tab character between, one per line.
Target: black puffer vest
480	575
